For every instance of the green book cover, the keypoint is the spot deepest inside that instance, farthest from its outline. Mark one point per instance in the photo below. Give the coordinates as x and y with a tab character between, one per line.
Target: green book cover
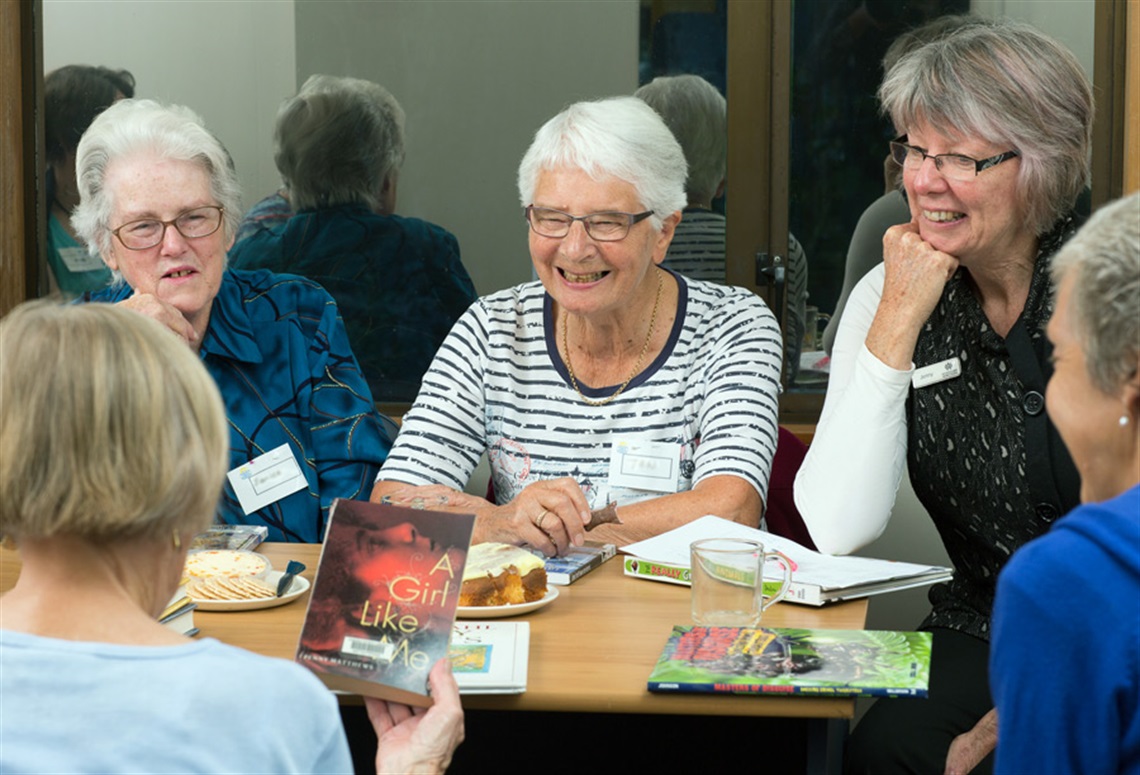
821	663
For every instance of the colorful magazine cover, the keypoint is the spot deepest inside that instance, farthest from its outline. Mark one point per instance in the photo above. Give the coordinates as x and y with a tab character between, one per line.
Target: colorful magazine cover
824	663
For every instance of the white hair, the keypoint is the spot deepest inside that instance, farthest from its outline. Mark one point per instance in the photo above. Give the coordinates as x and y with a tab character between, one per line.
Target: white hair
697	115
619	137
132	127
1104	260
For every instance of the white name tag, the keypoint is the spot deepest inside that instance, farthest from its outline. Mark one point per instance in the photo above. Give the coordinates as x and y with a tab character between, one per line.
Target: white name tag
936	372
267	479
645	465
79	260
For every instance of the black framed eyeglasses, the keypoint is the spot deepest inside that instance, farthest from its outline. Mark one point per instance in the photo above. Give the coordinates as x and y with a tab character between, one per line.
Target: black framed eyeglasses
145	233
603	227
954	166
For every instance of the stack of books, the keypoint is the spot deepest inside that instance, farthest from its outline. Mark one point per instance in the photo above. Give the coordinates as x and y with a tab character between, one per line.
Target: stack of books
817	578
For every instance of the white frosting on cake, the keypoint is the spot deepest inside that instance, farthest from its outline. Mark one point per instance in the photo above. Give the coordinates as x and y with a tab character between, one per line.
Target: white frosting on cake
491	559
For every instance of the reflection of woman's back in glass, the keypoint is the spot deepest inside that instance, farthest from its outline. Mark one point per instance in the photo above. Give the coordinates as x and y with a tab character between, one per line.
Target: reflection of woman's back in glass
73	96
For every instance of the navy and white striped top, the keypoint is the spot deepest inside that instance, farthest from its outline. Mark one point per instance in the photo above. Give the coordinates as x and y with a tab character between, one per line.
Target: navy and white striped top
499	385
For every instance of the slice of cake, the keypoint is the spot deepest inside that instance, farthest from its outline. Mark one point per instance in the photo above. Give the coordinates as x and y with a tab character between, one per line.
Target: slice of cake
501	574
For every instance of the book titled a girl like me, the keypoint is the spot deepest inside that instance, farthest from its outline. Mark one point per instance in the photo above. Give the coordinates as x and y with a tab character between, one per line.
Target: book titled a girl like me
772	661
383	602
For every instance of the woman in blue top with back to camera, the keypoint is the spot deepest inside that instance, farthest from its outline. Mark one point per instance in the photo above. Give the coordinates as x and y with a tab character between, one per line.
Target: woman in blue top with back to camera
160	203
1065	661
113	448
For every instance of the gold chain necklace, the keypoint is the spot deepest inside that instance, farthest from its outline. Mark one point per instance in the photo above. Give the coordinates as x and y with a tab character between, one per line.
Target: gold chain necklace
636	366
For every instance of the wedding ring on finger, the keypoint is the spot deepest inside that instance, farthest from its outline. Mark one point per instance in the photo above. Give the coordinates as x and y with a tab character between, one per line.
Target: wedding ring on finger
538	522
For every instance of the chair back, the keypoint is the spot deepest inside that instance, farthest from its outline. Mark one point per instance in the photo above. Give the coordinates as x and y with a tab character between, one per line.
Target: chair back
780	514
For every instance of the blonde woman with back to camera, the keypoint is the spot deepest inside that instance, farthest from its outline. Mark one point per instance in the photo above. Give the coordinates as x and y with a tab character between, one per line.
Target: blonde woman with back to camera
113	447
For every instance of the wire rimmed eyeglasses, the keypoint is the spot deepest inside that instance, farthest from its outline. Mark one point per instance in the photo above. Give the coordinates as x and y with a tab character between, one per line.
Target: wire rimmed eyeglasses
145	233
603	227
953	165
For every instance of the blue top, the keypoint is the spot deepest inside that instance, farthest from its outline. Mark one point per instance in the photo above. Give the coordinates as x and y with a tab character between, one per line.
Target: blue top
75	269
270	213
398	281
278	352
76	706
1065	656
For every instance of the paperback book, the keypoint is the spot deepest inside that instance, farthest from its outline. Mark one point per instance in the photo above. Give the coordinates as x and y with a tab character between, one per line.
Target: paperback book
383	601
817	578
817	663
578	562
490	657
236	537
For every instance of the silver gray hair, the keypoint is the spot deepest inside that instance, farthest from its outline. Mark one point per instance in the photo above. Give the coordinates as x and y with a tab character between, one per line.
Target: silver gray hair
1007	83
1104	260
135	127
620	137
337	141
697	114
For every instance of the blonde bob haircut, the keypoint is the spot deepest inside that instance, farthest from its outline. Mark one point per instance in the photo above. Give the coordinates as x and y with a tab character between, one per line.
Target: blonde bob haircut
110	428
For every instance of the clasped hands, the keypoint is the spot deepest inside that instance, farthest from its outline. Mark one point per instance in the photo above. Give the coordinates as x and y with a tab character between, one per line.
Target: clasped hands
550	515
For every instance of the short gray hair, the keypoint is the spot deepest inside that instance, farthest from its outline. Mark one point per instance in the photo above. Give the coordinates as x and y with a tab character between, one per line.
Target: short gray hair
110	427
131	127
1007	83
697	114
620	137
337	141
1104	260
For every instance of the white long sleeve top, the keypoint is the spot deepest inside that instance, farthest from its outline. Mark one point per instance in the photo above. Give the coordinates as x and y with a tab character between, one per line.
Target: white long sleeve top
846	487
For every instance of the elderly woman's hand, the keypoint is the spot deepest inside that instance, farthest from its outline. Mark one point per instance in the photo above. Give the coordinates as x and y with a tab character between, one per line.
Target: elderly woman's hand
419	740
157	309
916	273
549	515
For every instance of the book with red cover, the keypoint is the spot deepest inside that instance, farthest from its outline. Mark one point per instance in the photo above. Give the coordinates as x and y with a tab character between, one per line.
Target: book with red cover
383	602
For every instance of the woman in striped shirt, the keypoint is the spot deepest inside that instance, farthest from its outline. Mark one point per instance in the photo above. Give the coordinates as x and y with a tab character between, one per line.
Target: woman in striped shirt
610	379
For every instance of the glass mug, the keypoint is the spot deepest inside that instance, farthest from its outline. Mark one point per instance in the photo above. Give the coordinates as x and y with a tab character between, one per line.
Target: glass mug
728	581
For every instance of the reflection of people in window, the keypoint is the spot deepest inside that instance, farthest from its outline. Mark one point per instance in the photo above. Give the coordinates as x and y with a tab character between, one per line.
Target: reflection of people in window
696	113
398	281
73	96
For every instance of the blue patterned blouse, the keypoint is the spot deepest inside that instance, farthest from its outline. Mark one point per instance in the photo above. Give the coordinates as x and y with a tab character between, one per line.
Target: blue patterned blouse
278	351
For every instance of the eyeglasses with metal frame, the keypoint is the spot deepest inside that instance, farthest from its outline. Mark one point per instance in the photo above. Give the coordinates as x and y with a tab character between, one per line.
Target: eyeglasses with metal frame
145	233
602	227
954	166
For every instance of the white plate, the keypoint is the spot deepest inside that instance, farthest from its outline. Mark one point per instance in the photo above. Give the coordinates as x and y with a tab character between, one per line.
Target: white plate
499	611
299	586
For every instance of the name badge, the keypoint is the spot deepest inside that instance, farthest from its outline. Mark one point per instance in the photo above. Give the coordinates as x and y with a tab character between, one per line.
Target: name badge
936	372
267	479
645	465
79	260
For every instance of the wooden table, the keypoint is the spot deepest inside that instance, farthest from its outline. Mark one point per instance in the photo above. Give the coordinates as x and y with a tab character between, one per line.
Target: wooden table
591	650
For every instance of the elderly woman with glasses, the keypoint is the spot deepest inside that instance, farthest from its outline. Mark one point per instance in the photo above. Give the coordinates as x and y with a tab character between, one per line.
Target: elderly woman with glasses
610	380
941	361
159	203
